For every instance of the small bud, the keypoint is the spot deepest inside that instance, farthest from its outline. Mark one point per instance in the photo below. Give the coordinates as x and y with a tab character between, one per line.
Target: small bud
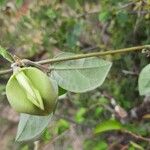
31	91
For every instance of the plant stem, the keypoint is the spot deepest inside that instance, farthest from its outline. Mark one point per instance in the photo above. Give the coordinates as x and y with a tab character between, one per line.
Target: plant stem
79	56
6	71
139	137
37	145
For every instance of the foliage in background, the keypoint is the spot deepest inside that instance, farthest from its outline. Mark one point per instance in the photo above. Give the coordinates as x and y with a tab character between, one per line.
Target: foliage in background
41	29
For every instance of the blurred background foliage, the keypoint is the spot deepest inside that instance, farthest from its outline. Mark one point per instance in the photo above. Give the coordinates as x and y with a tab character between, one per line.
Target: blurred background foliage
41	29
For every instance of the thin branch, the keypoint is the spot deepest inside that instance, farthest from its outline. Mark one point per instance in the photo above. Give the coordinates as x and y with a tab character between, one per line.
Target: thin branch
127	5
79	56
123	6
126	72
87	14
138	137
95	54
37	65
58	137
6	71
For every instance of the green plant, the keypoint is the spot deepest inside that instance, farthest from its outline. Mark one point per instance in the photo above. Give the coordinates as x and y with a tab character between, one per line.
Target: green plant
102	115
31	91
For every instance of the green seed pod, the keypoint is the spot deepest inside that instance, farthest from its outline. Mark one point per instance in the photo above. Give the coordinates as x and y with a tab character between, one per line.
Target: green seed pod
30	91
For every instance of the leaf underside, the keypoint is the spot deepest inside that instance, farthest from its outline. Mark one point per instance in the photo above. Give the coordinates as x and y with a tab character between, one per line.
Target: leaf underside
80	75
144	81
31	127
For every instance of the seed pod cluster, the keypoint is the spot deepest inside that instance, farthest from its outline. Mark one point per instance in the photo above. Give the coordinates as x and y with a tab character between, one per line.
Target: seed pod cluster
31	91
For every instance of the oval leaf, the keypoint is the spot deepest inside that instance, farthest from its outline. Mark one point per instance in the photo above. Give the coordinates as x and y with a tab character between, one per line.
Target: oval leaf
107	126
31	127
80	75
144	81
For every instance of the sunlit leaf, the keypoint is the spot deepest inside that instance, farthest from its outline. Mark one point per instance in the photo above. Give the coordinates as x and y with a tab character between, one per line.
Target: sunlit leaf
79	117
108	126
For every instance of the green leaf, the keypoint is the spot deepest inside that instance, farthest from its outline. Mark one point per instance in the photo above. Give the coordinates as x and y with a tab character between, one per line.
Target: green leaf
107	126
80	75
79	117
144	81
122	18
51	14
26	147
61	91
4	53
46	136
61	126
31	127
2	2
104	16
102	145
32	93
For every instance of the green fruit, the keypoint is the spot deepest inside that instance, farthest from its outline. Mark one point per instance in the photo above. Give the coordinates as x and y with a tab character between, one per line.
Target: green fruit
31	91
